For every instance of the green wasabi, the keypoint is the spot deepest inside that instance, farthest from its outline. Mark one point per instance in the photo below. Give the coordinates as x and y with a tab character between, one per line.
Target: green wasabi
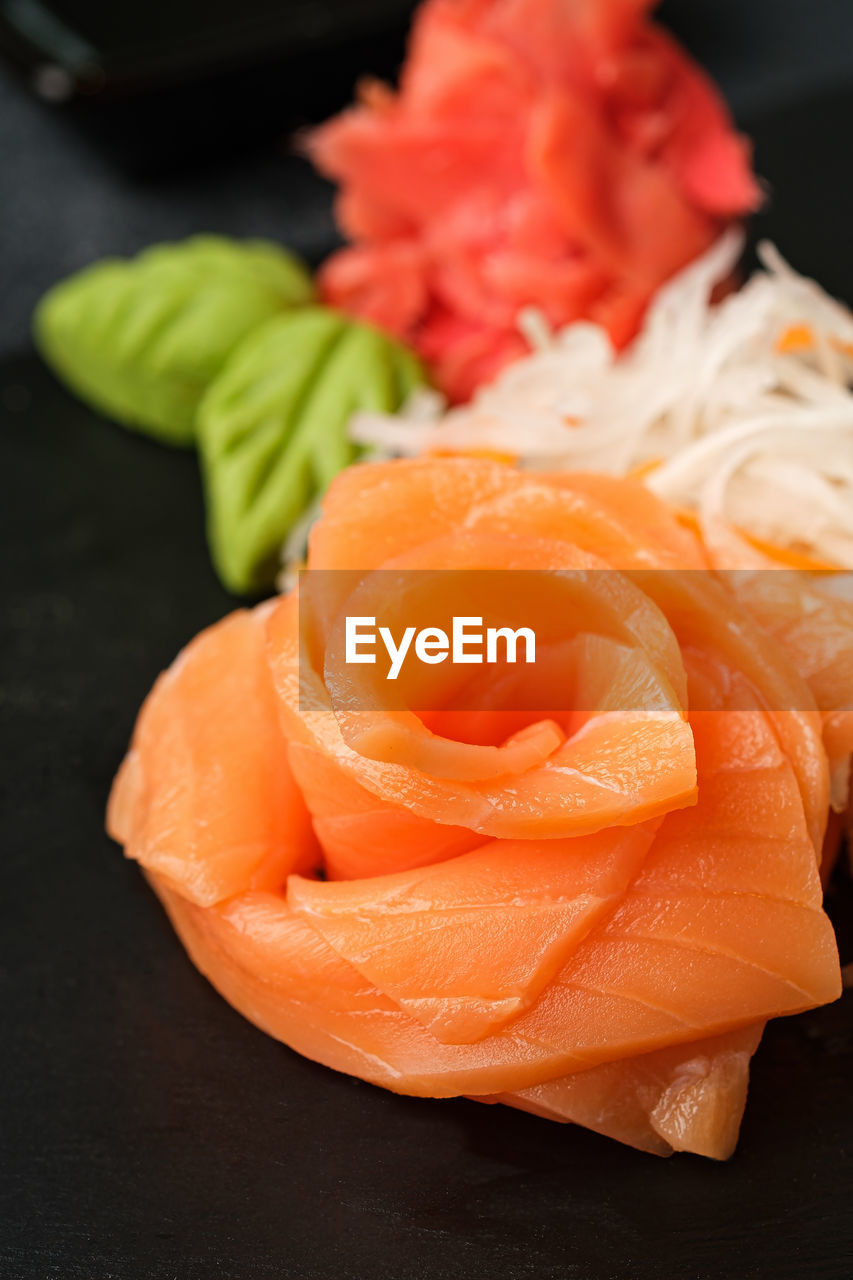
141	339
272	429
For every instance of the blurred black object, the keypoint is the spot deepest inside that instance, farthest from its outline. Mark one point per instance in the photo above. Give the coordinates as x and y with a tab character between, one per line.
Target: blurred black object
164	79
113	49
164	83
204	146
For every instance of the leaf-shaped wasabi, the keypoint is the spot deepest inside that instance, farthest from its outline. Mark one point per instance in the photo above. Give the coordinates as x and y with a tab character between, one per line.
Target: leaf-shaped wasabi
141	339
272	429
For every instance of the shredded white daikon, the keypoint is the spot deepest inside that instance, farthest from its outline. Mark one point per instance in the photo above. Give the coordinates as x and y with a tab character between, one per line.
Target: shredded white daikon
744	406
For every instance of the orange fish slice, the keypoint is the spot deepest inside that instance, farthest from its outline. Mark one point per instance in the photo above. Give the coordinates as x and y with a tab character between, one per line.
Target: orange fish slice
205	797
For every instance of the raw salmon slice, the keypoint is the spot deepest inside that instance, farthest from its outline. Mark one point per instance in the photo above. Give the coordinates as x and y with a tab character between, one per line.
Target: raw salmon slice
603	954
690	1097
810	615
361	835
707	938
467	945
576	792
205	797
429	498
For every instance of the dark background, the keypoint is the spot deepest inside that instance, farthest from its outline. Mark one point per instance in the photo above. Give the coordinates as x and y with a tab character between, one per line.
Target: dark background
84	180
147	1130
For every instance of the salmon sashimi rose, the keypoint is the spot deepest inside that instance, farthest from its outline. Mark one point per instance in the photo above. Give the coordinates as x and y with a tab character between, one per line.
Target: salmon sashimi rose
591	920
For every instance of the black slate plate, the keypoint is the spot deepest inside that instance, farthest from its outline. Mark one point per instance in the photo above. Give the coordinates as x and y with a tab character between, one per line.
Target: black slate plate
148	1131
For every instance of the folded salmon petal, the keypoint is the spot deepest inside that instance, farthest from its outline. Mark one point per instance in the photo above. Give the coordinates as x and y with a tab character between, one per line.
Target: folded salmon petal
701	1109
730	923
361	835
281	975
663	968
402	738
707	620
263	958
625	667
466	945
425	499
565	591
688	1097
612	518
206	798
375	844
810	617
575	792
420	502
